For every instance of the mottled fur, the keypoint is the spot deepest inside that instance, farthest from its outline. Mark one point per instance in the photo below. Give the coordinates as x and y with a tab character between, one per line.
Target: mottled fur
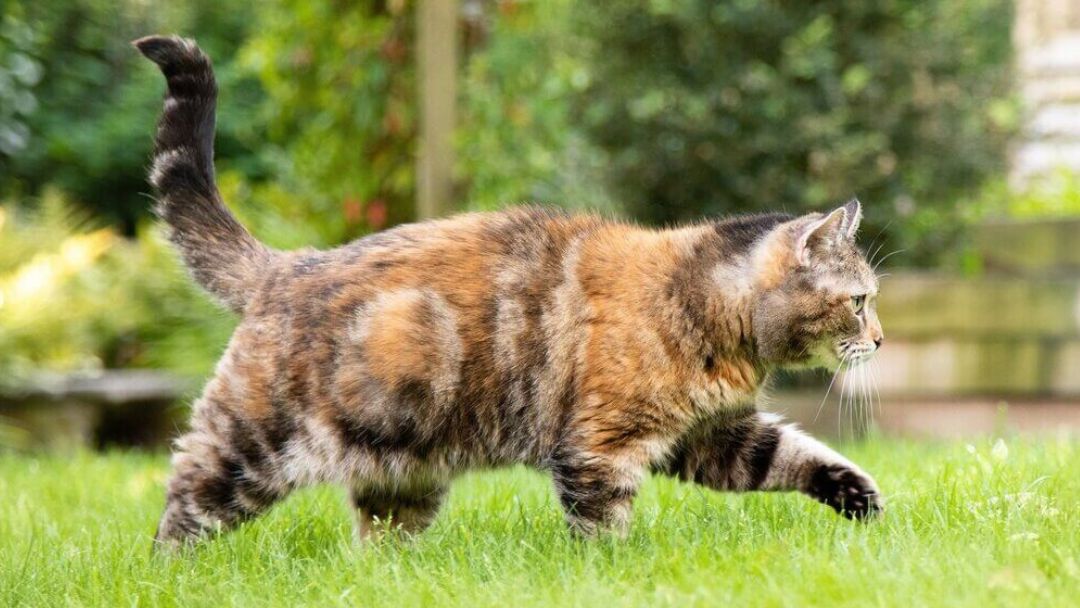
596	350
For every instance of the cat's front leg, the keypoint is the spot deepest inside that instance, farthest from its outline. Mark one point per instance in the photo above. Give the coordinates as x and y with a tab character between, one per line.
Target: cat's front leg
805	464
596	489
598	468
759	451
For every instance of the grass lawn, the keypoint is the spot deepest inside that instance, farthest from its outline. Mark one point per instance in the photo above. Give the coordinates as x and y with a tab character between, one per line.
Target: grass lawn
966	524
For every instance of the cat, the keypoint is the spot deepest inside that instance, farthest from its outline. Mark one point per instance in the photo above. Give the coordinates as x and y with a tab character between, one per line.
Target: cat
593	349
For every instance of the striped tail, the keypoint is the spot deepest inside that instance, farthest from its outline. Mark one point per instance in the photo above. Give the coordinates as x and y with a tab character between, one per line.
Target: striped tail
223	256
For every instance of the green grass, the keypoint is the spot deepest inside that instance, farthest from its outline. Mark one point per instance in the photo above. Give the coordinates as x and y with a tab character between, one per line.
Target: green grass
966	525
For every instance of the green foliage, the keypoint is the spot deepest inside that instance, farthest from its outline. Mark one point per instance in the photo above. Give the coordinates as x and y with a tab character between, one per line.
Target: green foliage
993	526
19	72
75	297
339	79
340	82
89	127
518	140
710	107
677	107
1055	195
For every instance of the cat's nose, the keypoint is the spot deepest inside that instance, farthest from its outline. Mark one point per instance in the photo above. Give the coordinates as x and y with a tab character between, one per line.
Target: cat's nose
877	342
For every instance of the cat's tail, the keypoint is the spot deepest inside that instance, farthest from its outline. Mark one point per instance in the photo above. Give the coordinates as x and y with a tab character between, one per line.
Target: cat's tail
223	256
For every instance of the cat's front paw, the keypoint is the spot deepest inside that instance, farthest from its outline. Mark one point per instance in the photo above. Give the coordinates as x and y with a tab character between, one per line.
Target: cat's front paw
848	491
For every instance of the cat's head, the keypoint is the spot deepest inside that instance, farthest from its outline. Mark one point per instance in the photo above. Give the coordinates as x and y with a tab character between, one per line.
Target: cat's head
816	301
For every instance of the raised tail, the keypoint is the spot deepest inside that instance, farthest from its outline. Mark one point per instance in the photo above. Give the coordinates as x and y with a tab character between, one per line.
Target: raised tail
224	258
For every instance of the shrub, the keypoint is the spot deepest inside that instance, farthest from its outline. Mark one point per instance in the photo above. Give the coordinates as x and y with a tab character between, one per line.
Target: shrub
710	107
76	297
90	100
519	139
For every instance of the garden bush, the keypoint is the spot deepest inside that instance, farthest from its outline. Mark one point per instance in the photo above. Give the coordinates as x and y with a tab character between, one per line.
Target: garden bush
717	107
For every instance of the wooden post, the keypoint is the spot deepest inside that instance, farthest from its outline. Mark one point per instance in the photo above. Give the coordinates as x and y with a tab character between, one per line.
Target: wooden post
437	70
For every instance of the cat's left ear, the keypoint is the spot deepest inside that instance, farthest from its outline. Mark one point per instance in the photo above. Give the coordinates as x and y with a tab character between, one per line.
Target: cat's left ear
818	233
853	208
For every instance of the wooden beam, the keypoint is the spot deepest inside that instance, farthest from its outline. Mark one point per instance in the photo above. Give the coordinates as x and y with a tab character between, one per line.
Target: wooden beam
437	66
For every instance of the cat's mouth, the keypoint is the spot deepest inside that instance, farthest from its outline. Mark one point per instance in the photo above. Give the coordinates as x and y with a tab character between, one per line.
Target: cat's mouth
832	355
855	352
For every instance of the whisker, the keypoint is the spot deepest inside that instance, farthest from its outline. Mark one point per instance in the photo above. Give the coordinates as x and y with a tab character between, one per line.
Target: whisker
876	237
868	406
840	412
852	405
873	254
876	391
865	422
885	257
858	427
827	390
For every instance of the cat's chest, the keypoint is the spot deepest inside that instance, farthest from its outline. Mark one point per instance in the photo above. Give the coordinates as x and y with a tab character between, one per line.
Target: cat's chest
722	386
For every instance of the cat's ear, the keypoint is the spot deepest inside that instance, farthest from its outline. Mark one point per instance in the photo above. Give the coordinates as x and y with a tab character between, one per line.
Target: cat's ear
818	232
854	217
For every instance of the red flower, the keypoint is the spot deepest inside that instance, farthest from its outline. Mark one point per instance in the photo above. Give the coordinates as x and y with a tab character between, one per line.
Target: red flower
352	208
377	214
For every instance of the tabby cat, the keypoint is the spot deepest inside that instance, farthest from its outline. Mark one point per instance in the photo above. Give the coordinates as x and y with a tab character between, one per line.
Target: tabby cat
593	349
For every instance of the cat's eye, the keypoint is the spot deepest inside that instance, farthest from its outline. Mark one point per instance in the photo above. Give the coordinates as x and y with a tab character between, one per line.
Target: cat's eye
857	302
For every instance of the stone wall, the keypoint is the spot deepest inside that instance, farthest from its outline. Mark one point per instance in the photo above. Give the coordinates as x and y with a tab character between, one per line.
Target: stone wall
992	335
125	408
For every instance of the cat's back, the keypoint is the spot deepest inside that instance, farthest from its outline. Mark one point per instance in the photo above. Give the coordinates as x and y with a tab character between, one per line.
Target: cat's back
461	257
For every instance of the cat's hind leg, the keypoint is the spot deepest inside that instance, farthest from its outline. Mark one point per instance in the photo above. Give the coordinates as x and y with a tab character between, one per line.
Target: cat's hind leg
408	509
221	477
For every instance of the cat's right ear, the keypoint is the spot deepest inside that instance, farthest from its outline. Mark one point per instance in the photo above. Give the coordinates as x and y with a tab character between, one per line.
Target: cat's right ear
817	233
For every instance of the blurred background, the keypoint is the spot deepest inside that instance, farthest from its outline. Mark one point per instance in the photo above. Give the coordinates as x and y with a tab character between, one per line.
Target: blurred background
956	122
